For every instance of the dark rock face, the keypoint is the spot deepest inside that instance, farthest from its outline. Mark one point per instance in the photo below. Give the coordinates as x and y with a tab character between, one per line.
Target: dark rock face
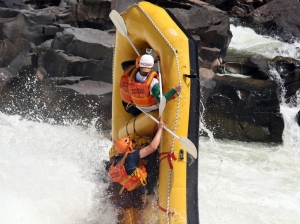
45	101
256	67
37	46
279	18
211	25
238	7
259	62
14	4
223	4
121	5
243	109
94	14
289	71
5	77
79	52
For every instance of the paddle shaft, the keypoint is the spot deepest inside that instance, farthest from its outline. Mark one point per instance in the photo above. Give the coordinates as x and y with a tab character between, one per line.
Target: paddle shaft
156	121
119	23
136	51
160	80
162	102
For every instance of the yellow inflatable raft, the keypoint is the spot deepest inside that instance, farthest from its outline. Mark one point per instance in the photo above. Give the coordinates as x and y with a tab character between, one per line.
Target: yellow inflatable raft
150	26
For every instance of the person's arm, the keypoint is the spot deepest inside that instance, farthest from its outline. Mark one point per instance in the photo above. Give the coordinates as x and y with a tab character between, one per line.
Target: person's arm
154	143
156	93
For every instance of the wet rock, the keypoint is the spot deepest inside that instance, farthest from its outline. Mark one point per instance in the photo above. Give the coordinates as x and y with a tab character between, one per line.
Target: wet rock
47	102
5	77
211	25
258	61
61	82
243	109
292	77
51	30
79	52
260	74
239	11
288	69
255	66
238	66
3	87
14	4
223	4
298	118
67	3
277	18
284	65
94	14
18	31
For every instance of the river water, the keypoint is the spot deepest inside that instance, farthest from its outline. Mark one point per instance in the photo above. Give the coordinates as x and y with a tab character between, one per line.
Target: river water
54	174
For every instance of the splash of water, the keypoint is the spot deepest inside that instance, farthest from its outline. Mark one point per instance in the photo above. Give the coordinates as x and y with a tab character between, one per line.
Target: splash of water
47	173
246	40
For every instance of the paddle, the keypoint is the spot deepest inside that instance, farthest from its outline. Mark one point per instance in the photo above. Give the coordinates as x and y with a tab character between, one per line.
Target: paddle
185	142
162	102
121	27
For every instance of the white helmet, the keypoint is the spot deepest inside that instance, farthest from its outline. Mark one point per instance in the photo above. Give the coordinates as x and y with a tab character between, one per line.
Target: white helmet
146	61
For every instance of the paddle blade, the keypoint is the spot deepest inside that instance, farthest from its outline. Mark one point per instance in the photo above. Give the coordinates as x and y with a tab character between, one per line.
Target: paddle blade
162	105
189	146
118	22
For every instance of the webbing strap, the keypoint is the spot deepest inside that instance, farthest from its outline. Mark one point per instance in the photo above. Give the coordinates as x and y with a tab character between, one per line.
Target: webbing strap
165	210
169	156
127	178
132	187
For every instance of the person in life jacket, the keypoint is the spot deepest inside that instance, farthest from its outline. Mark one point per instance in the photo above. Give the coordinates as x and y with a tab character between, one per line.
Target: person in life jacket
128	176
140	86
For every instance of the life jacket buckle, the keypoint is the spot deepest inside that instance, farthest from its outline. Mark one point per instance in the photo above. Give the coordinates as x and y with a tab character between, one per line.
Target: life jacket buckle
129	105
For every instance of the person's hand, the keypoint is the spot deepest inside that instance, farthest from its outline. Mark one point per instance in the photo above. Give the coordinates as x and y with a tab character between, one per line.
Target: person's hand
161	125
178	88
156	59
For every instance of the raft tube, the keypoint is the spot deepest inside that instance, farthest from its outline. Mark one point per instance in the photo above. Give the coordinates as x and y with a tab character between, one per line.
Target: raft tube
150	26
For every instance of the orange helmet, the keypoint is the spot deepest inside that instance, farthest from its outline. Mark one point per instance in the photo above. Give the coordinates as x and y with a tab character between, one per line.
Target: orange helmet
123	145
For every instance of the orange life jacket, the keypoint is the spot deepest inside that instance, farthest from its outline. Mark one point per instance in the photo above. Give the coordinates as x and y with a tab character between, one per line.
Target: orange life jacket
117	173
124	83
137	92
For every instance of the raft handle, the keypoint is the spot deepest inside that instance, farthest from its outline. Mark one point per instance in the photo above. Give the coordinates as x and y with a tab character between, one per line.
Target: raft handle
190	76
181	154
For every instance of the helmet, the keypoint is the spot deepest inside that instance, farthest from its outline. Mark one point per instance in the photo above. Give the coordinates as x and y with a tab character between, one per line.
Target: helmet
123	145
146	61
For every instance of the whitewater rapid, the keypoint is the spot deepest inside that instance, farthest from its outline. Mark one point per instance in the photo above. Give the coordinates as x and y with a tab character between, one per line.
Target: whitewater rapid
251	183
52	174
49	174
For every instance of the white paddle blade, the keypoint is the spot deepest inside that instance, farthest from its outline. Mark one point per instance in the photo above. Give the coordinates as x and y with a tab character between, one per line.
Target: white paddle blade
162	105
118	22
189	146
